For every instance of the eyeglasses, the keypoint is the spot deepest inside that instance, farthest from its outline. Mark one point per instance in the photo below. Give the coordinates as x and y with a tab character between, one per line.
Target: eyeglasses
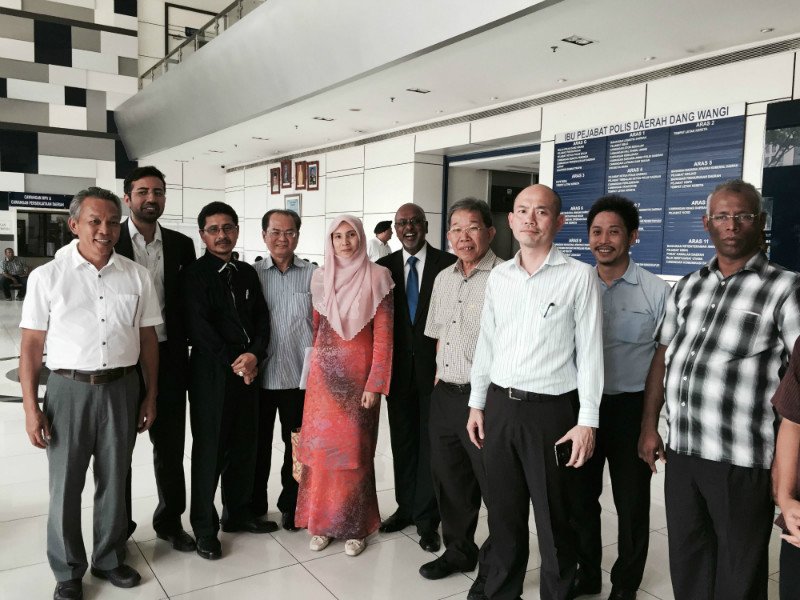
740	218
277	233
408	222
470	231
214	229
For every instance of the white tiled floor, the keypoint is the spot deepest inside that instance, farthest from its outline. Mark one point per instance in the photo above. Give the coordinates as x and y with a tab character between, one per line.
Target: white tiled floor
278	565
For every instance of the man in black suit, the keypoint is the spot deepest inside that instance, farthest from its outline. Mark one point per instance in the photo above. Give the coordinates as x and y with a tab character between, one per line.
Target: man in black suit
164	253
413	268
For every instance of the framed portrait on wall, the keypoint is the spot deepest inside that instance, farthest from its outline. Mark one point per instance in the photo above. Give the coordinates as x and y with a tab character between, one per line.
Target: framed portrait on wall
300	175
293	202
275	180
286	173
313	175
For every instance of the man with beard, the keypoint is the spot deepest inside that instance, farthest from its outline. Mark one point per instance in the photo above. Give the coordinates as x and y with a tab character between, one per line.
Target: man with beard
165	253
725	339
227	321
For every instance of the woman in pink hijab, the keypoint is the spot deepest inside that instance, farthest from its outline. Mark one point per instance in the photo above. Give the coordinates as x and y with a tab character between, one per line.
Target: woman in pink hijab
351	365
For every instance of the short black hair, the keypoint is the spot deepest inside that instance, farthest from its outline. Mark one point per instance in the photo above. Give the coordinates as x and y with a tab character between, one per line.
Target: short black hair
382	226
472	205
216	208
616	204
280	211
140	173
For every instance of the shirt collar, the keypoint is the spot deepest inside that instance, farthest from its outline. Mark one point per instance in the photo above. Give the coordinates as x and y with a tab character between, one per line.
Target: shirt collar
554	257
484	264
757	263
296	262
423	252
135	234
631	274
78	260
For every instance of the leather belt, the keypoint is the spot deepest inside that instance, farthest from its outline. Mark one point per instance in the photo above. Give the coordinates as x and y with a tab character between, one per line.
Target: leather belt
523	396
461	388
96	377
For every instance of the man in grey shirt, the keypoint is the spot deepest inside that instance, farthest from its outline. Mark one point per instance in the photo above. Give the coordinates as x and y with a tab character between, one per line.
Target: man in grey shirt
286	283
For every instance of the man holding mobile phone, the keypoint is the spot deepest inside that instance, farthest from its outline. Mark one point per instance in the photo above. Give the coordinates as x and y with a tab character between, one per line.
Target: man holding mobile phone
538	374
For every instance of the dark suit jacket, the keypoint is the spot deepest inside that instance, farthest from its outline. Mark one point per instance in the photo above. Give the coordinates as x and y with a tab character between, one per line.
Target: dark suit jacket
178	254
412	348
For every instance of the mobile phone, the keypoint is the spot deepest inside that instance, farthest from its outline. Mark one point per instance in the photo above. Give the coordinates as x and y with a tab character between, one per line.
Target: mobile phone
563	453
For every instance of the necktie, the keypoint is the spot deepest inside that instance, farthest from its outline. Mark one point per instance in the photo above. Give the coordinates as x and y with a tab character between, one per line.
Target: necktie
412	287
228	275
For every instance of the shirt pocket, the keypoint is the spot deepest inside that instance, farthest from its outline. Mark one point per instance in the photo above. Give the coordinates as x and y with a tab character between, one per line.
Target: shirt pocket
122	309
738	332
633	327
301	305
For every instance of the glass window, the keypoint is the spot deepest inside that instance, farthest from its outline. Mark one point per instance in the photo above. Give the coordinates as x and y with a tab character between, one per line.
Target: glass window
40	234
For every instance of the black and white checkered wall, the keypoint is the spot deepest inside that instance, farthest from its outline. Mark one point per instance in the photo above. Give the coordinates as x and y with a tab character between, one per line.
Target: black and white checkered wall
64	67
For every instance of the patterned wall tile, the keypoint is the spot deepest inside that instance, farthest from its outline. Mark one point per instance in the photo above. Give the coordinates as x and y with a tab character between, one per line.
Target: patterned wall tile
53	43
12	4
16	28
75	96
86	39
35	91
16	49
126	7
68	167
118	44
20	69
55	184
12	182
24	112
109	82
128	67
3	88
18	151
70	76
68	117
54	144
96	111
124	164
94	61
83	3
57	9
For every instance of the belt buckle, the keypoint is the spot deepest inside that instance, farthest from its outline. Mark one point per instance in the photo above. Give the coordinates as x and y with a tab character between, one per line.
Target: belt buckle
512	396
93	379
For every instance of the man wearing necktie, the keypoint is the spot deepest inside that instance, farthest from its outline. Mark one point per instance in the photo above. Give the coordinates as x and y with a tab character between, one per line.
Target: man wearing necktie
414	267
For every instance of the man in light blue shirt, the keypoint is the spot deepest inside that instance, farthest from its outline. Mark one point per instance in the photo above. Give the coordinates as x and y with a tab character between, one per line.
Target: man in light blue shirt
633	303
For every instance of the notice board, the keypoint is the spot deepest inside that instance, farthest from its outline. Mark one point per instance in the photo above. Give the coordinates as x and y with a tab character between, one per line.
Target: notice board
666	165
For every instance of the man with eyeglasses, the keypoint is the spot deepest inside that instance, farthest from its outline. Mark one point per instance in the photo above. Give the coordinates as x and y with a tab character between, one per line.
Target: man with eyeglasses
286	282
413	268
227	321
725	337
454	319
164	253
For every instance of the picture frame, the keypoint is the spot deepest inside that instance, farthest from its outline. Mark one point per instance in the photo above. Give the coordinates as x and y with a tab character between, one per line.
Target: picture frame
286	173
300	175
312	175
293	202
275	180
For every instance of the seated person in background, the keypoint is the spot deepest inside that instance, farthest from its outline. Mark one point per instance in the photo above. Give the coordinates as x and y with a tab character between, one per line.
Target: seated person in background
15	272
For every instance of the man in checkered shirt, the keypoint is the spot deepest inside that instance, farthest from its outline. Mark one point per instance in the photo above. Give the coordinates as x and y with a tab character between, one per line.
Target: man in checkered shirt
727	331
15	272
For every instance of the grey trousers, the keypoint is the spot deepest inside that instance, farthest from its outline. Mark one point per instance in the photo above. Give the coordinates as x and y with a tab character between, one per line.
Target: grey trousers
88	420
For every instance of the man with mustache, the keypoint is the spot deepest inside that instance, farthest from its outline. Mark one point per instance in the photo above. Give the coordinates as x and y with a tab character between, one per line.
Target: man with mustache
633	303
724	340
228	325
164	253
413	267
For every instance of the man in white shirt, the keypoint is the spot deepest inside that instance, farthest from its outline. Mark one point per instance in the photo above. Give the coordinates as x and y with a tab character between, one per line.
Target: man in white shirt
538	374
378	246
97	311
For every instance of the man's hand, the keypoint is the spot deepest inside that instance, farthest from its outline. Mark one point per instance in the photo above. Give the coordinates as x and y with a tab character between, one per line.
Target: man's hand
15	280
651	447
250	377
582	437
475	427
245	365
370	399
147	414
791	514
37	427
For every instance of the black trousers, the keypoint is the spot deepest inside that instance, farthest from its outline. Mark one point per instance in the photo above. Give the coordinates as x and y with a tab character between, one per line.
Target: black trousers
411	454
7	283
521	467
289	405
790	571
459	478
719	519
224	416
617	441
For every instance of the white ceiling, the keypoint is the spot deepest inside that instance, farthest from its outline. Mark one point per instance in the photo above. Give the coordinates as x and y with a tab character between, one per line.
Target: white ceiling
506	64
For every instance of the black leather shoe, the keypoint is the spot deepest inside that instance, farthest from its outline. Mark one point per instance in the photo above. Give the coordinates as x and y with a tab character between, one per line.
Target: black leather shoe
429	541
180	540
287	521
208	547
477	591
439	569
68	590
394	523
585	584
621	594
251	526
123	576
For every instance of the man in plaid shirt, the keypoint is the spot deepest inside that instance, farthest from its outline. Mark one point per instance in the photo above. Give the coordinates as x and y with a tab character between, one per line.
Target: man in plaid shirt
727	331
15	272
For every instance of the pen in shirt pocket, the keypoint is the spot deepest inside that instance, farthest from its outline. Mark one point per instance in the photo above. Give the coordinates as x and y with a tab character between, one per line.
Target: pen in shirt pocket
545	308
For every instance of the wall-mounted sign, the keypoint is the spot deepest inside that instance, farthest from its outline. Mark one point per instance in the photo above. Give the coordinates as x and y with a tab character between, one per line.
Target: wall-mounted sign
28	200
666	165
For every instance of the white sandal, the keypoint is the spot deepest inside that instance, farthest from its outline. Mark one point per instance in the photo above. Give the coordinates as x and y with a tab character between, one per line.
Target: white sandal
319	542
355	547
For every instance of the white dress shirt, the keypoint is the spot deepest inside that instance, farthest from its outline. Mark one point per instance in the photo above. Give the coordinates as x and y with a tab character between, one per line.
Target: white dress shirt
151	256
92	318
377	249
542	333
421	256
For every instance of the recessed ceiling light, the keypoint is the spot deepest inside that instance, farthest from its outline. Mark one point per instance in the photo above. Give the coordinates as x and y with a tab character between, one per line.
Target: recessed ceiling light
359	130
562	80
255	137
440	111
494	98
418	90
649	58
577	40
217	151
323	119
768	30
396	122
355	109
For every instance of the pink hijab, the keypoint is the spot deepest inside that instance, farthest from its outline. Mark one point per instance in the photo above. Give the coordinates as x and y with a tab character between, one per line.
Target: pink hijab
347	291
